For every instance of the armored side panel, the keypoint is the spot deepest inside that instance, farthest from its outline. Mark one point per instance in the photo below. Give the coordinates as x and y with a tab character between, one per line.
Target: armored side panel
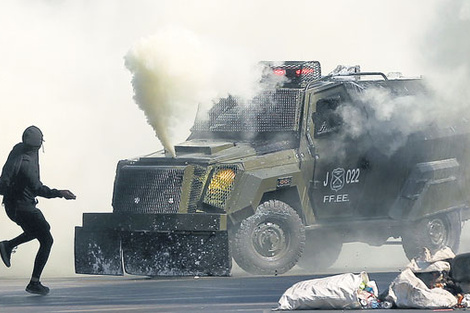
430	188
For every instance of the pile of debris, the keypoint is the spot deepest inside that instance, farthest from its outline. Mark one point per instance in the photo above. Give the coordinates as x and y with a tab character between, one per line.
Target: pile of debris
431	281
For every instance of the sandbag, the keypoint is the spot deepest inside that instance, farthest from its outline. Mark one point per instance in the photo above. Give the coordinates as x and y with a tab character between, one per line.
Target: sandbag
408	291
334	292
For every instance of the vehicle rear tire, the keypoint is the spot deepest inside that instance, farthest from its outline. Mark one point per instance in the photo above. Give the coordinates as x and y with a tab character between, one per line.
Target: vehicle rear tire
321	250
271	241
433	233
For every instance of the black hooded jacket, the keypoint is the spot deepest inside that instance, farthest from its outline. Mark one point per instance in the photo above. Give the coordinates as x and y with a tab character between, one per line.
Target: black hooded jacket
20	183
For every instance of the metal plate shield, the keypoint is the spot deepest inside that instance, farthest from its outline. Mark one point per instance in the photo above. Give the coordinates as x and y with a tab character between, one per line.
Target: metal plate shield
97	252
177	253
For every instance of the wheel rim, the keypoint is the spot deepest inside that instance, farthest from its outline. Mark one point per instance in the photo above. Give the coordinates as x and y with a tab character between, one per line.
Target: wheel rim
269	240
437	232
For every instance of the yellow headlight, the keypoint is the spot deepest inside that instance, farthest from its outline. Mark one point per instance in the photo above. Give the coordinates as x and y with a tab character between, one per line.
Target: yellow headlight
222	180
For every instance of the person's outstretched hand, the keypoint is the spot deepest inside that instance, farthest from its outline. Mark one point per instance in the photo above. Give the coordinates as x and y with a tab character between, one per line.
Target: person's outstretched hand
67	194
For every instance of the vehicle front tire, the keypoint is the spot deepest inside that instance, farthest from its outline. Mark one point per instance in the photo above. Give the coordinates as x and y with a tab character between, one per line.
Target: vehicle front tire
271	241
433	233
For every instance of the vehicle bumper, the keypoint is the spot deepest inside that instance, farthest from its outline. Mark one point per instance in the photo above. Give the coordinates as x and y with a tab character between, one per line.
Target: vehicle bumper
153	244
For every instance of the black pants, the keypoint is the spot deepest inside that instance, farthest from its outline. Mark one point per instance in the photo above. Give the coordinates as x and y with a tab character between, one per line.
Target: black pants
34	226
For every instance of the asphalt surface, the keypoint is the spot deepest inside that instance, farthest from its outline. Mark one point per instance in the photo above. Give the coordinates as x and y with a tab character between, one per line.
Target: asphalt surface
139	294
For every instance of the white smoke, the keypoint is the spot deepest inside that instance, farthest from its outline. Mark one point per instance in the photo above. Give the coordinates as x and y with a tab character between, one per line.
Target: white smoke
385	120
444	54
170	77
443	51
175	71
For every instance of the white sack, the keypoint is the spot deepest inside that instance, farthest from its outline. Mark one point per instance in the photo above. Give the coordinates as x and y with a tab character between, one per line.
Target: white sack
441	255
408	291
424	267
436	262
334	292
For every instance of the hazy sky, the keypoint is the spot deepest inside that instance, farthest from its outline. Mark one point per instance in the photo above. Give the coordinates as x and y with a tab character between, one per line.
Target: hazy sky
62	69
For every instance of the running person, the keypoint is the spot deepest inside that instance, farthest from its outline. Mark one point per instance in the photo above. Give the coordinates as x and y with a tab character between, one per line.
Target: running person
20	185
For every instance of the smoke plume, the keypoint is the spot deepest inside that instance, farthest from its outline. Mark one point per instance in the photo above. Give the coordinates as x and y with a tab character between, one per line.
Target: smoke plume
169	79
175	71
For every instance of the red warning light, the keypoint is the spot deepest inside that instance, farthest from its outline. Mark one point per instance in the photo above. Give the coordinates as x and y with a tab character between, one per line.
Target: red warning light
279	71
304	71
298	72
293	73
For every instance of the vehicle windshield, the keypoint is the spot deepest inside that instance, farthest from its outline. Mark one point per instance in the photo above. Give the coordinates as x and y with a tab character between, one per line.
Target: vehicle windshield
271	111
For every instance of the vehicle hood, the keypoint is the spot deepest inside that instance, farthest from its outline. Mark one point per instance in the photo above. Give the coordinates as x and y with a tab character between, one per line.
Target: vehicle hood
217	151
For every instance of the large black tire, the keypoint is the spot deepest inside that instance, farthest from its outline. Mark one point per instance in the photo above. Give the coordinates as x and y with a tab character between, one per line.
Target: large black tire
271	241
322	249
433	233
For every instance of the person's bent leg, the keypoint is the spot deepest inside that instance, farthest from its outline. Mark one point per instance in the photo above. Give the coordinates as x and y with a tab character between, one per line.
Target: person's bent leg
23	238
7	246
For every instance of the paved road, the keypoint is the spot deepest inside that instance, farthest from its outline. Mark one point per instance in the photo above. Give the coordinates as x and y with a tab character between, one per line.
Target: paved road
131	294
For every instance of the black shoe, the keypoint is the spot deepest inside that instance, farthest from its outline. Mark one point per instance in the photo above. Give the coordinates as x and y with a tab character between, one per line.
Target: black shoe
5	253
37	288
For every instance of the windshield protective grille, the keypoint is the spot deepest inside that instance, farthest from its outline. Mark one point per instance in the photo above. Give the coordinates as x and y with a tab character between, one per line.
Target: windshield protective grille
271	111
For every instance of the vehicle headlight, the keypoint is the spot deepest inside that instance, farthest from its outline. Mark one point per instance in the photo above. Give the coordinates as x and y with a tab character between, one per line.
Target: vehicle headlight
220	187
222	180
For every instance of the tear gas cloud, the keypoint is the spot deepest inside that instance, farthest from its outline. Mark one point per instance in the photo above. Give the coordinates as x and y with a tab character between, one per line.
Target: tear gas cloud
389	119
177	74
64	70
442	52
164	67
175	71
163	89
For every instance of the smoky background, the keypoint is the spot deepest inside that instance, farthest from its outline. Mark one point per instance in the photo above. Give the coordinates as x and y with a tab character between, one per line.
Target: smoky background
68	67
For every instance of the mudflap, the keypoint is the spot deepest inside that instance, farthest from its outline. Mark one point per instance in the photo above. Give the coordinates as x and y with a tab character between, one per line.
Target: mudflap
177	254
98	252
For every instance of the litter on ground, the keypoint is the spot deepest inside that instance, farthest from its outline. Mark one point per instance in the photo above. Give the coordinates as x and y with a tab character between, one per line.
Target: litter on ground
430	281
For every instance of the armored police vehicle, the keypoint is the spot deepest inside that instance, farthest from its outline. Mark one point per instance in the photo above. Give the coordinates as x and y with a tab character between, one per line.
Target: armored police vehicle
282	179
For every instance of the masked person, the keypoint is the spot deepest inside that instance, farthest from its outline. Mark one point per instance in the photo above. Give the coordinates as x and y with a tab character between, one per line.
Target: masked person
20	184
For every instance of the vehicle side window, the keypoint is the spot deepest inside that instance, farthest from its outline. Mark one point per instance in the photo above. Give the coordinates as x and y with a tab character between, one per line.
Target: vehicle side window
327	119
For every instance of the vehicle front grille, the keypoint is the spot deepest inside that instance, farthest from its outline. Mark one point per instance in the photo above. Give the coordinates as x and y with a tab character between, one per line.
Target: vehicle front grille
148	189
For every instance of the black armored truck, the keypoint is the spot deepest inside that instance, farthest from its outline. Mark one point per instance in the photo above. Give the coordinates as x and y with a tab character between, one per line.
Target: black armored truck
284	179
